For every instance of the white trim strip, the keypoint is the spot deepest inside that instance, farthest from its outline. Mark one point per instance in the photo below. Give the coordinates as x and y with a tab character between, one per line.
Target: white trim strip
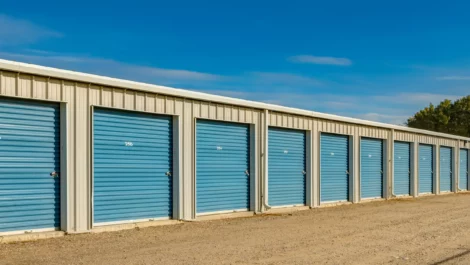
132	221
31	231
223	212
288	206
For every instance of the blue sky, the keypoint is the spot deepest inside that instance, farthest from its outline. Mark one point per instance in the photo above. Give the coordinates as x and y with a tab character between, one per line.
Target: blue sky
375	60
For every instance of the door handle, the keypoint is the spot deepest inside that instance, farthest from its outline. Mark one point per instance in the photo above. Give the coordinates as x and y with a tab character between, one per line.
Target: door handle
54	174
247	172
304	172
168	173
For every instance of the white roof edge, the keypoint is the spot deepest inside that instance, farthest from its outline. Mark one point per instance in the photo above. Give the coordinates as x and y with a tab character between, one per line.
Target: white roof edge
121	83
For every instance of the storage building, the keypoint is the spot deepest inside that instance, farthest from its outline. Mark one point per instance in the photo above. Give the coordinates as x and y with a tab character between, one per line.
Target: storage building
81	153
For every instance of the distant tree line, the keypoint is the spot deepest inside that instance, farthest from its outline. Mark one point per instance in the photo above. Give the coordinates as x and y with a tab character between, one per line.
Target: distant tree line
447	117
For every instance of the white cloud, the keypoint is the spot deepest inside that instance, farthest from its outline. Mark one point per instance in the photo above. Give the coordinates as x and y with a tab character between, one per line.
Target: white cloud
386	118
170	73
415	99
42	52
113	68
286	89
284	79
392	109
453	78
310	59
297	100
15	31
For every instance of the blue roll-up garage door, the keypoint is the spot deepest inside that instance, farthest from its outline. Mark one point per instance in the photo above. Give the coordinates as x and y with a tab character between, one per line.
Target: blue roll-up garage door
287	170
402	168
334	168
29	154
371	168
222	166
445	169
463	176
425	168
132	166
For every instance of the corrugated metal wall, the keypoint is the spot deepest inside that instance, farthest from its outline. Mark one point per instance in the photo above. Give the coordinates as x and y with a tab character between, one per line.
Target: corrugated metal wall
307	123
78	99
410	137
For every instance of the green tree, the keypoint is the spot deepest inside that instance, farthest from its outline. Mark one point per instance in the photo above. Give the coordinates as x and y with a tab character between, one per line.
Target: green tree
447	117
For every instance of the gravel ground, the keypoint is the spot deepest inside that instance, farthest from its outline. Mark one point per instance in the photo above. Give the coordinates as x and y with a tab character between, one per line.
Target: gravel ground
428	230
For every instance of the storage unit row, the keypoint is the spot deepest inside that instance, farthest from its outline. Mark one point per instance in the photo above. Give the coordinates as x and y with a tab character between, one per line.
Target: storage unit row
75	156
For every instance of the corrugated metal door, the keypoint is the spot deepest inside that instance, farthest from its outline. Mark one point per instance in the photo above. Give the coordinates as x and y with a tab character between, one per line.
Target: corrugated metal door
445	168
222	166
402	169
463	178
425	168
334	168
29	154
287	170
133	160
371	168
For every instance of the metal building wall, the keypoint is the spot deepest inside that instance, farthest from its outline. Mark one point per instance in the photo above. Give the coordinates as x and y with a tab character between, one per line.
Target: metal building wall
436	142
78	98
314	128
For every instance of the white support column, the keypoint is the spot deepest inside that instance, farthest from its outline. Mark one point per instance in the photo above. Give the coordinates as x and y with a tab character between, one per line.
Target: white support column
265	178
436	169
414	174
316	165
178	188
354	169
309	176
388	165
468	167
65	213
455	167
254	162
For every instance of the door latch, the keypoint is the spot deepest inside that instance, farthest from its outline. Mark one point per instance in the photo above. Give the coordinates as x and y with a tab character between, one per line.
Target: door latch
247	172
168	173
304	172
54	174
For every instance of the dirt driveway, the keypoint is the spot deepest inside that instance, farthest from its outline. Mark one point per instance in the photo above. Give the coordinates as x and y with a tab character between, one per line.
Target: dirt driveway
429	230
